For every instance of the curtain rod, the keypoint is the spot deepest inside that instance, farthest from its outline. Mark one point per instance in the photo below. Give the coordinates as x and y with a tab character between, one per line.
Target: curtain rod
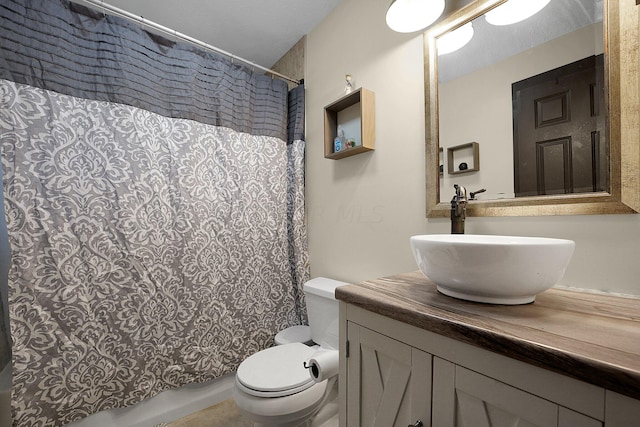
101	5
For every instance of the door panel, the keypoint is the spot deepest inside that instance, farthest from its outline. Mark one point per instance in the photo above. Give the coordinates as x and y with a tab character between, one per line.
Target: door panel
391	380
464	398
554	166
560	106
499	405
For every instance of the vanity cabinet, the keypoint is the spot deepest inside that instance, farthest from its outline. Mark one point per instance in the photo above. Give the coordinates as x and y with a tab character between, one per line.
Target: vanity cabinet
395	370
393	382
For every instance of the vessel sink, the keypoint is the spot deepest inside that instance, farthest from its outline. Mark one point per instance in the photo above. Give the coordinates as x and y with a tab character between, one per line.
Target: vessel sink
492	269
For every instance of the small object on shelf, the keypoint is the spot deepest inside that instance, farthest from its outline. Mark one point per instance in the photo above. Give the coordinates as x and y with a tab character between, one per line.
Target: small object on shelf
349	85
463	166
337	145
341	134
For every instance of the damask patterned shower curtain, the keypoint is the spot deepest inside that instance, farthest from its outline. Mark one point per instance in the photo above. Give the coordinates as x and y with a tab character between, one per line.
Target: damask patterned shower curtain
154	203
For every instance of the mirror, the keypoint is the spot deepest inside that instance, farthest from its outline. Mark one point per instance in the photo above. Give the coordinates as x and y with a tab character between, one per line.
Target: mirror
478	95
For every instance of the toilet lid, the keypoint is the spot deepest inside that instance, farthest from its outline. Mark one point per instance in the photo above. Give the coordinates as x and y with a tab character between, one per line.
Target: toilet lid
276	371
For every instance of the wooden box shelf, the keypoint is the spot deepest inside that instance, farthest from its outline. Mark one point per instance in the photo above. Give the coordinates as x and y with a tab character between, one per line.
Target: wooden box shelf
365	101
469	152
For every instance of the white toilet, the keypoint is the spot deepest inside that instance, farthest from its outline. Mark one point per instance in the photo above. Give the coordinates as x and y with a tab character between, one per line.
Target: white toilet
274	388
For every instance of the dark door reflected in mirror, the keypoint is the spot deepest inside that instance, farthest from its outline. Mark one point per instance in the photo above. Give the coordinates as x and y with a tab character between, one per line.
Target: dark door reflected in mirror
558	139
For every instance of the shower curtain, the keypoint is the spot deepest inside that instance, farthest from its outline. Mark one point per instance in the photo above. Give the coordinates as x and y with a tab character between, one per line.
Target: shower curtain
154	199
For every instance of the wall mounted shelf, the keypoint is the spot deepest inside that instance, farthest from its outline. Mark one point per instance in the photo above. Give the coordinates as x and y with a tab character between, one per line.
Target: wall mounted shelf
355	112
465	153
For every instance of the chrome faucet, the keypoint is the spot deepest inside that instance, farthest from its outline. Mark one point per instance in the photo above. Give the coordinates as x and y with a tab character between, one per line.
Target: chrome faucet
458	209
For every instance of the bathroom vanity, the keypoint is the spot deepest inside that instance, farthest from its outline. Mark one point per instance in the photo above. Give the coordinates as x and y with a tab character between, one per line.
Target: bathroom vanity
409	353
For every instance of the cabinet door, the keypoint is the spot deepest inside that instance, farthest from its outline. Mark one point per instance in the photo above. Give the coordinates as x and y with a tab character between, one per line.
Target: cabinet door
463	398
388	382
622	411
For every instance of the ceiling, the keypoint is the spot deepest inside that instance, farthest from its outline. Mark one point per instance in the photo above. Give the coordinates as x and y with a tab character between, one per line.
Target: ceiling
491	44
259	31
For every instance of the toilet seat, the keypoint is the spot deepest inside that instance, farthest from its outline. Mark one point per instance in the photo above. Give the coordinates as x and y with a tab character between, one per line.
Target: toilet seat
276	371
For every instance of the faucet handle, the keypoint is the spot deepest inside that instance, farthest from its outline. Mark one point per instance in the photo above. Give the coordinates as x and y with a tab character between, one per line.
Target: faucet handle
473	193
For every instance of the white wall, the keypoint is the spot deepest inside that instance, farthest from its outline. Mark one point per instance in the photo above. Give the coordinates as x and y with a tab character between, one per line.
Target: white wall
363	209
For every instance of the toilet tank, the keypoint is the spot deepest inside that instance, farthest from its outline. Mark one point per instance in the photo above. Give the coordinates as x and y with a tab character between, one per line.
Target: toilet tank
322	310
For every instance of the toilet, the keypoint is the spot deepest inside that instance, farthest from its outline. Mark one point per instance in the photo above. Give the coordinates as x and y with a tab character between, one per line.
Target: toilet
273	387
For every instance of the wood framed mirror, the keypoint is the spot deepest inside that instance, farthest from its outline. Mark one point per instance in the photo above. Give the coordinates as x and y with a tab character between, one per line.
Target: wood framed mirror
616	163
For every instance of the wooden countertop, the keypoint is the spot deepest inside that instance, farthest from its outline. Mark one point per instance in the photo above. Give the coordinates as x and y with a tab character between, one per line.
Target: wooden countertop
591	337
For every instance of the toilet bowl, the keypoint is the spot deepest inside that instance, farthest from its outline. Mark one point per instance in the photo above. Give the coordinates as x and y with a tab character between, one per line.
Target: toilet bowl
273	387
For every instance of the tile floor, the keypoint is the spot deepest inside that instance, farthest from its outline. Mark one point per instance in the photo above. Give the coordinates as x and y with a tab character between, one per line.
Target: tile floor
224	414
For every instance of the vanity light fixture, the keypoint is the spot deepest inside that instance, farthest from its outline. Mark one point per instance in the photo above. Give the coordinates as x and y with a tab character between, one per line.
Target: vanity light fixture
514	11
456	39
407	16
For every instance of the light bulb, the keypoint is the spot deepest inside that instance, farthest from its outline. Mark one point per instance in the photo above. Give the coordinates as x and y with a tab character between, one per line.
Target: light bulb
514	11
407	16
455	39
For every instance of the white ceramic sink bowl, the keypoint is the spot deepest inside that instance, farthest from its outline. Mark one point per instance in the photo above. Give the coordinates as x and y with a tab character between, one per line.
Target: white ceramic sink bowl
492	269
